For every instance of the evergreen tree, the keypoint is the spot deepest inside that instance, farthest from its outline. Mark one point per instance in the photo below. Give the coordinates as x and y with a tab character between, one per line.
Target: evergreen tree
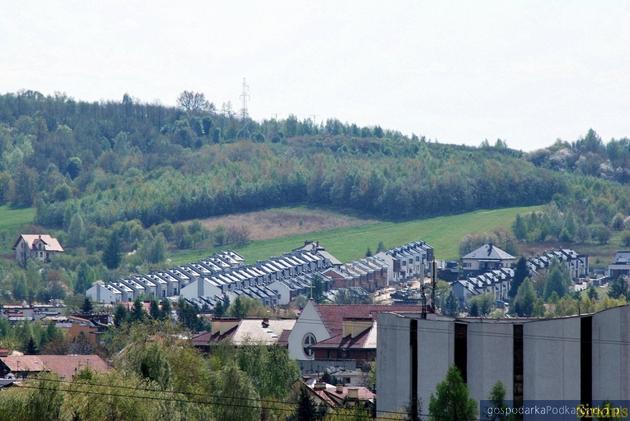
120	315
218	309
166	309
31	347
474	309
137	313
520	273
450	306
497	400
154	310
87	306
237	309
618	288
525	299
306	408
380	247
111	254
452	400
519	228
317	288
368	252
85	278
557	281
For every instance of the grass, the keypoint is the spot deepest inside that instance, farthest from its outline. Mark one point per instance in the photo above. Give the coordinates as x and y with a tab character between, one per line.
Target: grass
11	220
444	233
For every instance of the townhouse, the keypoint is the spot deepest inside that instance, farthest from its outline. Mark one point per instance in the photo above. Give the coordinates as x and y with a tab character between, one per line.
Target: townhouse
486	258
498	281
620	265
369	273
407	261
220	277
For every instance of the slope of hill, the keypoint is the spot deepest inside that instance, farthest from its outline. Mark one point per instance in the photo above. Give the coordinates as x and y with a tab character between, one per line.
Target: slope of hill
444	233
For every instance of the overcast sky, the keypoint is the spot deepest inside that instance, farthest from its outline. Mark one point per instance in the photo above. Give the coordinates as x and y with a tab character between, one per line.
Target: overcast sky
460	72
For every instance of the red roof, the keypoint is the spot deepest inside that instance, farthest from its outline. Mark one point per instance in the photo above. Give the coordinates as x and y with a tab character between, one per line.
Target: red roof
332	314
50	243
65	366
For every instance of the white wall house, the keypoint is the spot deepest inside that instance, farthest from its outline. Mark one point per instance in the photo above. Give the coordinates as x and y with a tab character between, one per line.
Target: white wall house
100	292
36	246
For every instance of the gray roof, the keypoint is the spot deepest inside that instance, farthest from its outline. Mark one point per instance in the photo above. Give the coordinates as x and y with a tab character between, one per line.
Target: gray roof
489	252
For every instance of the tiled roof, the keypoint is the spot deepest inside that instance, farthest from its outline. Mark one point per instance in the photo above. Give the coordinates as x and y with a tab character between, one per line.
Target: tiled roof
332	314
51	243
65	366
489	251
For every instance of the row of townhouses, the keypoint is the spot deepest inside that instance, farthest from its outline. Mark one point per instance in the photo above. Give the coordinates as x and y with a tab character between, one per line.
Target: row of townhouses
223	275
276	281
498	281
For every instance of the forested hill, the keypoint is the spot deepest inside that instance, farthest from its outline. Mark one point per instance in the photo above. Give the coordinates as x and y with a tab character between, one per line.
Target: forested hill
127	160
588	155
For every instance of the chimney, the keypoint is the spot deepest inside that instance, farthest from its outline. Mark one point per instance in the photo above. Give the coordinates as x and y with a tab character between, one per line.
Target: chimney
319	386
265	322
353	393
339	388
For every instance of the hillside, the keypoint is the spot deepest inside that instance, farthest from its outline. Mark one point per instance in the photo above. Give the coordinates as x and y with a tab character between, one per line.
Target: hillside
443	233
154	181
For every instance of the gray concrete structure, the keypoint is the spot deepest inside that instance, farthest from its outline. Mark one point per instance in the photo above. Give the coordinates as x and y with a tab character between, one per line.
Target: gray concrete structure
581	358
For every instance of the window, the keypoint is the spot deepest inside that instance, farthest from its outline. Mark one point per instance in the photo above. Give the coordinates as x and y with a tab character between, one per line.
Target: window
308	341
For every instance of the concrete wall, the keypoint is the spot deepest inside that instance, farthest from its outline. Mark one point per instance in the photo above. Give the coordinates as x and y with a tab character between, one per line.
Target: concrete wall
611	354
393	359
435	353
490	358
551	359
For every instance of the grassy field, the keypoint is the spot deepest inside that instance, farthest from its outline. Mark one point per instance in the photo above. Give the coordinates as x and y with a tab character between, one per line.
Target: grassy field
10	222
443	233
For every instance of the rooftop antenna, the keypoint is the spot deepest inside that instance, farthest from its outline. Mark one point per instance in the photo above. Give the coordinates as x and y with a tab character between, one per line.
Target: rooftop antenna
244	97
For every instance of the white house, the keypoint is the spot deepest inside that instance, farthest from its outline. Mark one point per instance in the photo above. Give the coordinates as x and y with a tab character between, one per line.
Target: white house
201	287
36	246
485	258
103	293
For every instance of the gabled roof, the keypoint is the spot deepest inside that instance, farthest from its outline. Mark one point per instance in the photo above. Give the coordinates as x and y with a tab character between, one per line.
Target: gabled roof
50	243
332	315
65	366
489	252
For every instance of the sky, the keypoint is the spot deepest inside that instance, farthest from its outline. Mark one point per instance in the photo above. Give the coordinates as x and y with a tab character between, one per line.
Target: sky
528	72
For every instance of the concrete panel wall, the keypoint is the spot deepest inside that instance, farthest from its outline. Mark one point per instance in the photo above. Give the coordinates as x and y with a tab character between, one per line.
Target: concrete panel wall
436	355
611	354
490	358
551	352
393	363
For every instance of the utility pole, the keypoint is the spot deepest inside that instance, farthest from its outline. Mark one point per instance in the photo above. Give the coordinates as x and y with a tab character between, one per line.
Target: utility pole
433	284
244	97
423	297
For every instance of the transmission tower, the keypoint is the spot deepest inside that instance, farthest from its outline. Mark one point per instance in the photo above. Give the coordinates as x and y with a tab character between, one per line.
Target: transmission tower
244	98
